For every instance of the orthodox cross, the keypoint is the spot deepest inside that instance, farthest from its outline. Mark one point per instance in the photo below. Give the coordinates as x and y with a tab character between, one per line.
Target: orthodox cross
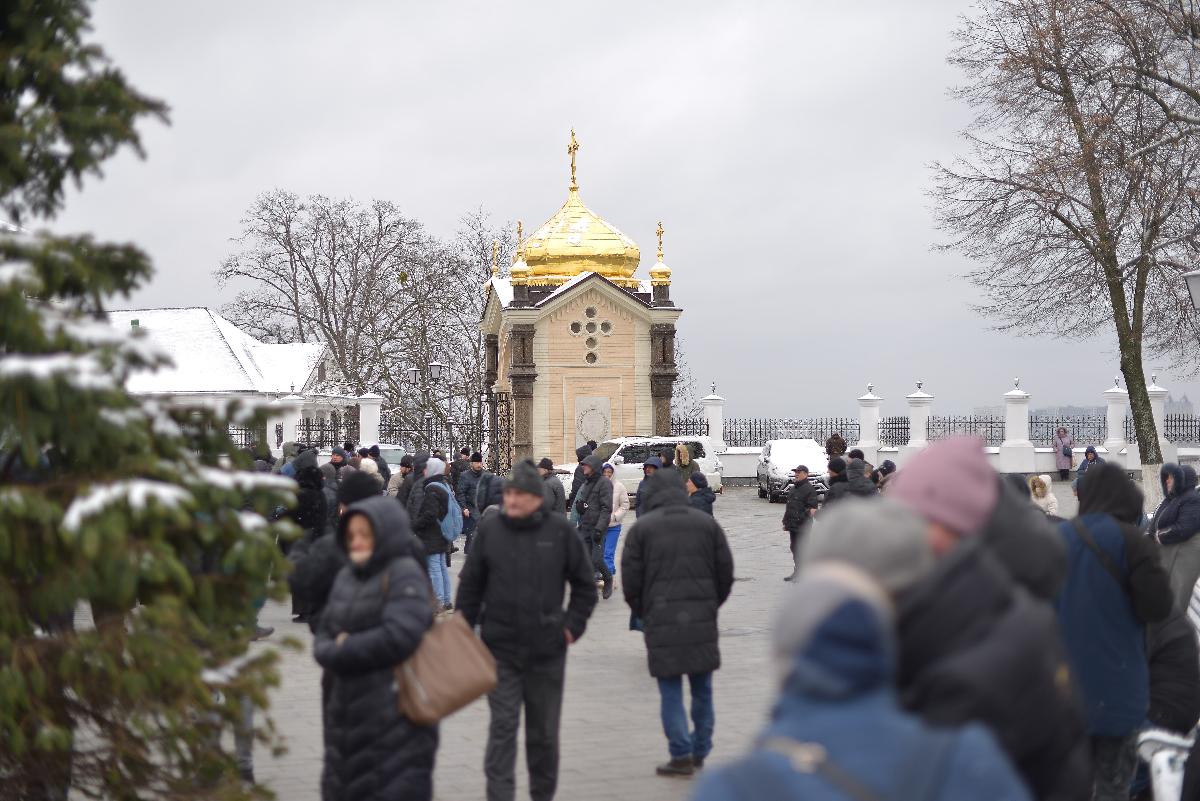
572	149
660	235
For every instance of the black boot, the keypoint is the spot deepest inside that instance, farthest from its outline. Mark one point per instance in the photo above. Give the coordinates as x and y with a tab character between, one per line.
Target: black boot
608	588
676	767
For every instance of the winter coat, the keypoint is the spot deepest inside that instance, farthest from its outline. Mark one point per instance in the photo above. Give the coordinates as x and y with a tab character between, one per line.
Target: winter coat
657	464
1048	503
620	503
1025	543
677	571
703	499
372	753
581	453
1103	622
465	490
835	446
489	491
311	508
801	499
290	449
395	483
1063	462
315	566
514	582
855	485
974	647
457	468
838	696
385	470
597	493
1175	525
1085	464
1174	673
414	485
427	522
556	494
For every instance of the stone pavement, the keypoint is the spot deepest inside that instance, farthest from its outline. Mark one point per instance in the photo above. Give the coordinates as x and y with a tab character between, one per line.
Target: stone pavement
611	735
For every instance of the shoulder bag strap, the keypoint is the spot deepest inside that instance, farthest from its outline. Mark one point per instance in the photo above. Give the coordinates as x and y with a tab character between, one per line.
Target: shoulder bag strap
812	758
1105	558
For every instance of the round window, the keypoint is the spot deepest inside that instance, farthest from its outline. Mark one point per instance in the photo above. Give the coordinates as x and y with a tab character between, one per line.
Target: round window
606	327
590	312
590	358
591	342
576	328
591	328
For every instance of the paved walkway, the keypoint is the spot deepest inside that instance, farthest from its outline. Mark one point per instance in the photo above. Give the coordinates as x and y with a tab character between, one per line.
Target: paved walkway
611	736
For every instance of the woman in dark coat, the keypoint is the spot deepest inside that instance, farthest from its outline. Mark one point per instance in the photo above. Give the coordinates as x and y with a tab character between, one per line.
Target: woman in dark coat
378	611
700	495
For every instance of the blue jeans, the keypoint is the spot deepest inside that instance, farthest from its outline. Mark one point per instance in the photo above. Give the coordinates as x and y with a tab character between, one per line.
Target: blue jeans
439	575
681	744
610	547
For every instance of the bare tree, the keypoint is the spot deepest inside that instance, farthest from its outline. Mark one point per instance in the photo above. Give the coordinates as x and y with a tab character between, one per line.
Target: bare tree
1079	215
685	395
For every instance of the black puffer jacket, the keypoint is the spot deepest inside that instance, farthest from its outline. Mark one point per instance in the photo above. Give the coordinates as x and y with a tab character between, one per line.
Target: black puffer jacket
413	484
597	493
1174	673
514	582
468	485
556	494
581	453
314	569
856	485
976	647
489	492
310	511
372	753
1178	518
1025	542
677	571
427	522
801	499
703	499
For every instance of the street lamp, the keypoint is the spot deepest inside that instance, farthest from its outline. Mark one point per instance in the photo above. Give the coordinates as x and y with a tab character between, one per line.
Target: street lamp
436	369
414	376
1193	284
429	430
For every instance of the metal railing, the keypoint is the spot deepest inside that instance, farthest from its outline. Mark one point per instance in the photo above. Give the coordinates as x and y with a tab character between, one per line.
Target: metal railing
894	431
755	431
990	429
1085	430
689	427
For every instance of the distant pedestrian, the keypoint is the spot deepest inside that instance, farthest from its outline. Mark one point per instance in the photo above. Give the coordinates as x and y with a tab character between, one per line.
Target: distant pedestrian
836	732
489	492
620	506
700	494
378	612
556	494
884	473
427	526
1174	526
855	485
1090	459
581	453
802	505
461	465
683	459
835	445
593	509
385	470
512	587
1042	494
649	467
1115	586
467	493
1064	453
676	571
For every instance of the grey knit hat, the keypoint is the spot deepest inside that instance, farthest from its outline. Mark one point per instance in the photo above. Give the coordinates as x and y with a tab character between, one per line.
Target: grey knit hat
526	478
879	536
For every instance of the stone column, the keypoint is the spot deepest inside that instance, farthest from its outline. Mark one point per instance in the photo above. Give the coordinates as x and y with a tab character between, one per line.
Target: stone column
1017	454
1158	407
1116	401
522	374
491	344
369	406
662	375
868	424
289	409
919	404
714	412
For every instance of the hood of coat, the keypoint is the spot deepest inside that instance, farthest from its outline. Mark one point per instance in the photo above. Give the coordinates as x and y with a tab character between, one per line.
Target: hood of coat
856	476
393	536
1189	478
582	452
661	490
310	477
305	459
1176	473
654	462
290	449
595	462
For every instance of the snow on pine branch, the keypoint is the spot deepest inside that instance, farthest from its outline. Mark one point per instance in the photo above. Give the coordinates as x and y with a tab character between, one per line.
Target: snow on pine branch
136	492
16	272
244	480
83	371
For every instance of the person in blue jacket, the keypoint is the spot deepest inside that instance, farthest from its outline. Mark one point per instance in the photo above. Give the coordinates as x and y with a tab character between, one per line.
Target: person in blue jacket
1174	526
1115	585
837	732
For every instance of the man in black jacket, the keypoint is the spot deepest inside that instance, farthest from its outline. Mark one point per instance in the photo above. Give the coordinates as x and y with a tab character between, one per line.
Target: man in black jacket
797	517
428	507
466	490
593	504
556	496
677	571
513	587
581	453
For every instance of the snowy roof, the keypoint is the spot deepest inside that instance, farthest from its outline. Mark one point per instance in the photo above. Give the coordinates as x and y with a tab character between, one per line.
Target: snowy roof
504	290
211	354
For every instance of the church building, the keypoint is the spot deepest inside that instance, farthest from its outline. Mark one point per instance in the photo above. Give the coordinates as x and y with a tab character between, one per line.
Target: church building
584	348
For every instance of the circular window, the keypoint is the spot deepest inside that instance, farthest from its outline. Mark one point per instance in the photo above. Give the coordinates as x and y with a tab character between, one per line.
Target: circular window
591	328
590	342
606	327
576	328
590	312
590	358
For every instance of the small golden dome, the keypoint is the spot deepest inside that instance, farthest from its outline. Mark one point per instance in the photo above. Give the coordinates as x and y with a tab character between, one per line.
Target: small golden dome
577	240
660	274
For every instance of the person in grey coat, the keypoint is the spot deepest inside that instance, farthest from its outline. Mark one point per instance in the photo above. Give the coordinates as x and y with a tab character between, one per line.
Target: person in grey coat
556	494
593	505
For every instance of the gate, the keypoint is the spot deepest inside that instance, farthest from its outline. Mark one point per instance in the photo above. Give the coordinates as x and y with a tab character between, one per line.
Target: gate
500	432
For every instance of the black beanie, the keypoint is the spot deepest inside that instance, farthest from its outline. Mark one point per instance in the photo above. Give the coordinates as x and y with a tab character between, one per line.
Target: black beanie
837	464
546	464
373	451
363	452
526	478
476	457
356	487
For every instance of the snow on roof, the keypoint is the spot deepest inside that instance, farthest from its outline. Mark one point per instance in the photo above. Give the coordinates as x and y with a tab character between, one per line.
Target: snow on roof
211	354
504	290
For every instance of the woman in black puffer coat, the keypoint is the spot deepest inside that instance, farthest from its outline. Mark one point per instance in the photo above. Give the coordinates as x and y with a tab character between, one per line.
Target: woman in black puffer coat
378	611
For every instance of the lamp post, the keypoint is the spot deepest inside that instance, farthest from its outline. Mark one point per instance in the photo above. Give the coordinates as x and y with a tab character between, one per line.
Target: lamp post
429	430
1192	279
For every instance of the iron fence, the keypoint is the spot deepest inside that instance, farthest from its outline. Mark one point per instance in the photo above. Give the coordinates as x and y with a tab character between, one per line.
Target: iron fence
689	427
988	428
894	431
248	436
322	433
1085	430
1130	431
1182	429
755	431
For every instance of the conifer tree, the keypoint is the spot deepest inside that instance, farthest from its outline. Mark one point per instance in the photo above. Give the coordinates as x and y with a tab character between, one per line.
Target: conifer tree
133	546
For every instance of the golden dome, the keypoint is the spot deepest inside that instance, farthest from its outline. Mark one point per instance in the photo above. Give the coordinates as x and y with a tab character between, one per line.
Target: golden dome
576	240
660	274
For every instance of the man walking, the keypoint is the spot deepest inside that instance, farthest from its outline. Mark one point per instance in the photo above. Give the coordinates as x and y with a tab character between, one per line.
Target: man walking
677	572
556	494
801	507
593	507
466	490
513	587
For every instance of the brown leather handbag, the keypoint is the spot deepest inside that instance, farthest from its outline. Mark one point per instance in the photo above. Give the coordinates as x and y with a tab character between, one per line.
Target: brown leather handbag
450	669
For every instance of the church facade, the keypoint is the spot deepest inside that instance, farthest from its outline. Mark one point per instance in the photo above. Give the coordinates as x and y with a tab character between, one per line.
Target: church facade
583	347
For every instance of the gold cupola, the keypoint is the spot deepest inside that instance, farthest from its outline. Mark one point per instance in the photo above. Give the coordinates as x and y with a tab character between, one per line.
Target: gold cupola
576	240
660	273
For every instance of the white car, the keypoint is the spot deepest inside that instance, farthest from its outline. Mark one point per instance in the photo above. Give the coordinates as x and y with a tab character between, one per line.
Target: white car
627	454
780	457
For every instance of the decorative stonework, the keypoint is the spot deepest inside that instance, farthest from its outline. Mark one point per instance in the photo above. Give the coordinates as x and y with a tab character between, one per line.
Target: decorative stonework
593	419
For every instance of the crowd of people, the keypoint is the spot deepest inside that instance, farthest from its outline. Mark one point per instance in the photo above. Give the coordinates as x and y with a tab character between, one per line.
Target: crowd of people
990	648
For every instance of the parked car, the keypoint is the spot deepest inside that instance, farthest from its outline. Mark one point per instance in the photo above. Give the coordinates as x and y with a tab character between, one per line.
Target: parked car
392	454
627	454
780	457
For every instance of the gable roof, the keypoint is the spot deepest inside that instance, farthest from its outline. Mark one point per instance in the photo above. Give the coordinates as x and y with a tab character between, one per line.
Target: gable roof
211	354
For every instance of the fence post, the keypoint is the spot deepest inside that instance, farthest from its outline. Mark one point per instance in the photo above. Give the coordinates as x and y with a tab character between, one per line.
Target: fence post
1116	401
714	412
369	406
868	424
919	404
289	410
1016	452
1158	406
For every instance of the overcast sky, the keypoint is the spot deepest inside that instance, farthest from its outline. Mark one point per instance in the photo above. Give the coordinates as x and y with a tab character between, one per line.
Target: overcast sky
785	146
